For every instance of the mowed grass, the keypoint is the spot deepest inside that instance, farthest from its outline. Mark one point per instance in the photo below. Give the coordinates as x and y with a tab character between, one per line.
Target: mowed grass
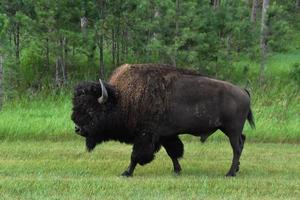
42	158
64	170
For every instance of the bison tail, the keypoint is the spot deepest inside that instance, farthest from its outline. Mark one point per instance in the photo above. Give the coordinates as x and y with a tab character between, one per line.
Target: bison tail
250	116
250	119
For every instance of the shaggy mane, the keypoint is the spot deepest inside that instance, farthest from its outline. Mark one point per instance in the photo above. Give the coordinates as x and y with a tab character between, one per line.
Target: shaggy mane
145	88
152	68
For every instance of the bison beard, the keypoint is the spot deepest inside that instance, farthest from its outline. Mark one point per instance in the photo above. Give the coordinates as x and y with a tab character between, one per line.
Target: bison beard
90	143
150	105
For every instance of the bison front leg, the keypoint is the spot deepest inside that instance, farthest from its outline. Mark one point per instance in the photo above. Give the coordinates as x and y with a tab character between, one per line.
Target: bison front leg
143	151
130	169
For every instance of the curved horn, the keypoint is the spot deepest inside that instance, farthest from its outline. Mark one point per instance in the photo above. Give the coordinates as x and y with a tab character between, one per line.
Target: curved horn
104	95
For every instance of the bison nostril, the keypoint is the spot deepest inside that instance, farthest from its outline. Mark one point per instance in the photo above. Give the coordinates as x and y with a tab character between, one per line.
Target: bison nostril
77	129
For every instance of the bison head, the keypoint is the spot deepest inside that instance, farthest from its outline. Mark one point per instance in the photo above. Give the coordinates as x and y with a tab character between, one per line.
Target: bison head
91	110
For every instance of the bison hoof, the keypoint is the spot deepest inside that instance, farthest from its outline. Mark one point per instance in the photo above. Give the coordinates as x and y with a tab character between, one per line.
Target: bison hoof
230	174
177	173
237	169
126	174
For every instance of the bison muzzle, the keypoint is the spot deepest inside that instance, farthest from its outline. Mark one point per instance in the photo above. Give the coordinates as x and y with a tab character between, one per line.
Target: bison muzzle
149	105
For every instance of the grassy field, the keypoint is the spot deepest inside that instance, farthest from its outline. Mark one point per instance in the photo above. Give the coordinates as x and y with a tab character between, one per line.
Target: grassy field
42	158
64	170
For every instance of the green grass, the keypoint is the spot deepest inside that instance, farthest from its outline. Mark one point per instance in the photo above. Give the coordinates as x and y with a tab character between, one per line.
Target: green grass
277	114
278	68
42	158
37	118
64	170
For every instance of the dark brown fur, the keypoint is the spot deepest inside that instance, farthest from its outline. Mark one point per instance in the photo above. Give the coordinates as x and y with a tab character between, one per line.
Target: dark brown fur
141	85
149	105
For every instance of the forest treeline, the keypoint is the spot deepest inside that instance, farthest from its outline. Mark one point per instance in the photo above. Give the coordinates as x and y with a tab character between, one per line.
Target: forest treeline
50	43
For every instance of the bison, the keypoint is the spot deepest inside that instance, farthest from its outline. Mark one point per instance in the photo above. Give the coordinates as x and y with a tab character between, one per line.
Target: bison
150	105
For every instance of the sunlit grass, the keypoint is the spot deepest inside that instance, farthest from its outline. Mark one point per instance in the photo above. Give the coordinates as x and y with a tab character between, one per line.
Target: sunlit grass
36	118
64	170
278	68
42	158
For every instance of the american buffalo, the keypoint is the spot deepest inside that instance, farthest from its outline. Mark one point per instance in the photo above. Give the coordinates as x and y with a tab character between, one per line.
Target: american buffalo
149	105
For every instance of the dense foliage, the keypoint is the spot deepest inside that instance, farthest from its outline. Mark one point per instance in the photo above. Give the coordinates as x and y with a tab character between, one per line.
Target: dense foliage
52	43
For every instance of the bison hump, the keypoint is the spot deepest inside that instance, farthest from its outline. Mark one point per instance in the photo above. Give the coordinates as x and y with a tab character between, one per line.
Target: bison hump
144	90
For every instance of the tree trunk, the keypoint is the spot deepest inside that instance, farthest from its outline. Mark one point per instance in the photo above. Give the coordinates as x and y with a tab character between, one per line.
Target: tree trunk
113	48
176	31
10	37
215	3
64	60
17	42
1	81
263	39
177	17
101	59
47	65
124	44
118	34
298	4
84	24
57	72
118	46
100	35
254	10
149	31
60	67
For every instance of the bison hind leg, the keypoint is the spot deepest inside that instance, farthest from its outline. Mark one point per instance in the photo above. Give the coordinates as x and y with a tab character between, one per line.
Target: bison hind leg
234	132
241	141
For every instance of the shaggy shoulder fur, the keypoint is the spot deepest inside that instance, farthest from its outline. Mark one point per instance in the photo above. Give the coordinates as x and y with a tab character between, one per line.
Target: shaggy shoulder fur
148	86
